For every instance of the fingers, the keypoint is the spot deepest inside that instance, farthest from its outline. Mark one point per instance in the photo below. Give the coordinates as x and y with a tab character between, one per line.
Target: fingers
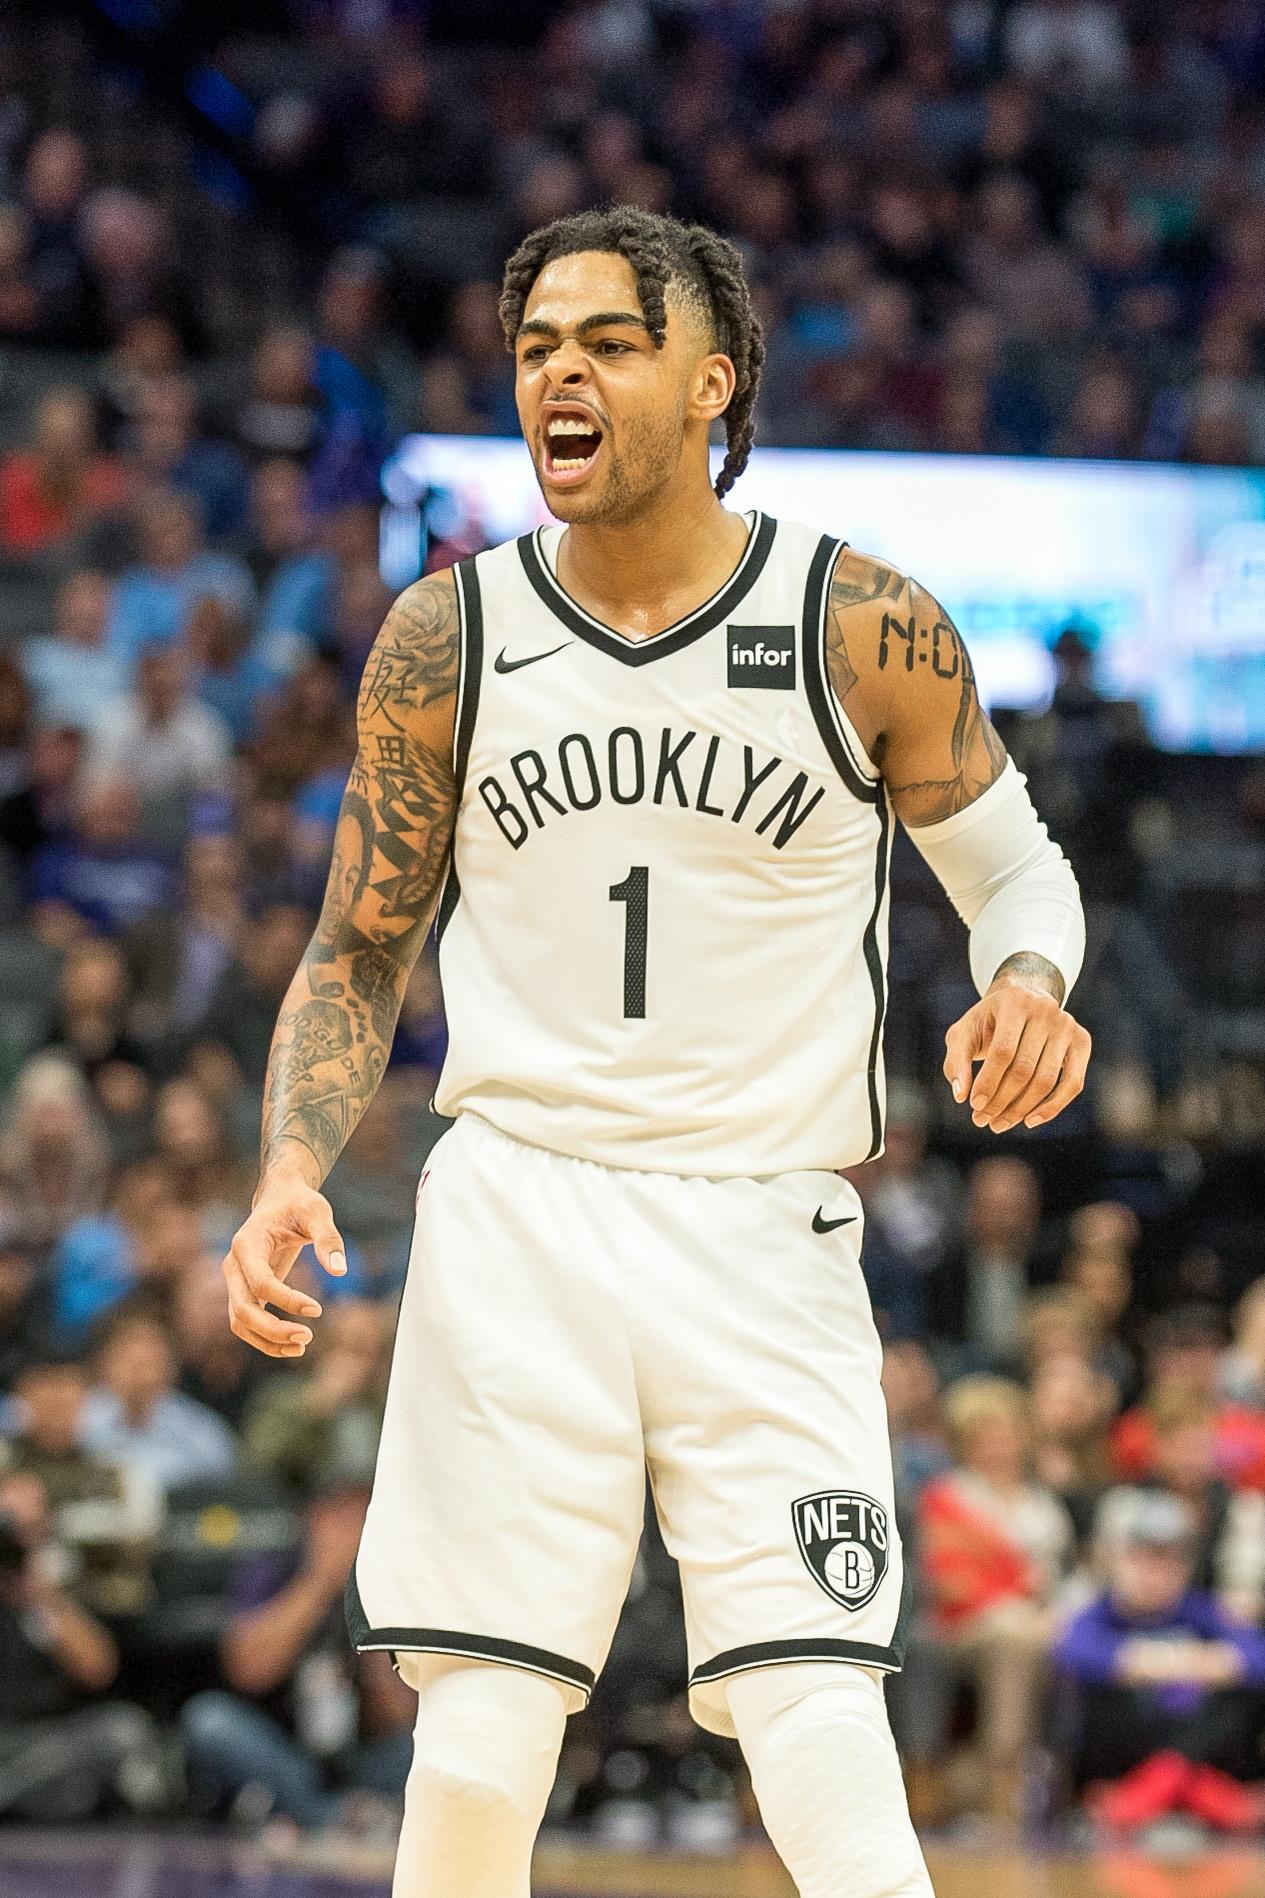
249	1320
1039	1052
963	1042
1072	1080
253	1285
1035	1059
1009	1018
326	1242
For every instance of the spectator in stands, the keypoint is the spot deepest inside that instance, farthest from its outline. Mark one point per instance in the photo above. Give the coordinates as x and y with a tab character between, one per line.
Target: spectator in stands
1184	1349
1228	1525
216	1369
102	1514
100	870
136	1416
53	1151
70	670
993	1547
193	1139
1073	1403
153	599
129	254
302	1427
296	576
282	414
165	446
1169	1691
42	806
305	1722
61	483
90	1027
177	953
97	1260
169	745
147	350
54	182
975	1298
64	1753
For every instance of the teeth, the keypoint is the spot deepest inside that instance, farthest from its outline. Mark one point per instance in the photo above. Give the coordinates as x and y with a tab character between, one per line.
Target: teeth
569	427
571	461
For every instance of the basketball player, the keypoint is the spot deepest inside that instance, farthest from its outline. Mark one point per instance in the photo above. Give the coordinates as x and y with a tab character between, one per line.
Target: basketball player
643	767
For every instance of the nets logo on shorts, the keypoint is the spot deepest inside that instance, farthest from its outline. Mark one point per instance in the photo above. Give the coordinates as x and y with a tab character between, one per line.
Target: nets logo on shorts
762	656
843	1538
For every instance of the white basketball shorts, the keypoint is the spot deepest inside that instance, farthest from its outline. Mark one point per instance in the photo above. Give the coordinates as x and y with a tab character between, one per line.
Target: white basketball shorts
563	1325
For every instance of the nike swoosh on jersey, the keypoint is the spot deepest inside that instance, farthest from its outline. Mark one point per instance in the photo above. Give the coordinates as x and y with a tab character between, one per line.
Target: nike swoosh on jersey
502	664
828	1225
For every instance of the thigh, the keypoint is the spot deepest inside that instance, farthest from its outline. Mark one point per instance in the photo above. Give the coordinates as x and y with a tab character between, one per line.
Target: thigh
766	1427
507	1501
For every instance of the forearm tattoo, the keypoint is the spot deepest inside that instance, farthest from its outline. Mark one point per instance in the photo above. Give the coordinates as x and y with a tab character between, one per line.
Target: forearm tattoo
390	852
881	622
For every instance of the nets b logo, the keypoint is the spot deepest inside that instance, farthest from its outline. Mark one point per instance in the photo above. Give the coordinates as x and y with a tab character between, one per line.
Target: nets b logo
843	1538
762	656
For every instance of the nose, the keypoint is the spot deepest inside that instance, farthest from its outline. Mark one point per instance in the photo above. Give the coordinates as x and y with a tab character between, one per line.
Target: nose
567	365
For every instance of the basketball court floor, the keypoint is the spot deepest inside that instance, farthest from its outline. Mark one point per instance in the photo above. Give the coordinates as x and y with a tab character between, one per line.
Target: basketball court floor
69	1865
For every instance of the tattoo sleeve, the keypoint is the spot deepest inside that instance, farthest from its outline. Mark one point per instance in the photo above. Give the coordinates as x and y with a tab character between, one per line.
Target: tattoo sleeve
391	847
899	668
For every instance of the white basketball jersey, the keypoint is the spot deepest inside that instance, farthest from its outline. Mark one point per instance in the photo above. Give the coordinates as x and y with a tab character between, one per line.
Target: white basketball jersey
663	939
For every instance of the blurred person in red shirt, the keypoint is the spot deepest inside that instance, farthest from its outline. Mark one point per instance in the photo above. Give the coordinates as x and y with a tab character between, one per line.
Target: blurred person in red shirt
61	481
1184	1350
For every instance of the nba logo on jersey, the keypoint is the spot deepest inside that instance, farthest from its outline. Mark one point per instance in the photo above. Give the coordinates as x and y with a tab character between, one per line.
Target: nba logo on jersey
762	656
843	1538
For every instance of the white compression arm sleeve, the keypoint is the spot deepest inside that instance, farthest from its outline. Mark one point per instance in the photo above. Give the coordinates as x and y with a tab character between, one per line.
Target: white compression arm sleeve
1008	881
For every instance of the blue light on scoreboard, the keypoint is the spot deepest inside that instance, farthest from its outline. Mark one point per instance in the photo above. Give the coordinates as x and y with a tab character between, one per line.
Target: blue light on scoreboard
1163	567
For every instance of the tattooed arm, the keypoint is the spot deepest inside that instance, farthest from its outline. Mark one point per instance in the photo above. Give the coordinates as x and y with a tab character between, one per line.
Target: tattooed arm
334	1031
900	670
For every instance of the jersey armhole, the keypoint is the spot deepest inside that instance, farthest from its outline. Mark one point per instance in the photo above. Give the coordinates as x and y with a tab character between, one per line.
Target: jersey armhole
843	746
469	678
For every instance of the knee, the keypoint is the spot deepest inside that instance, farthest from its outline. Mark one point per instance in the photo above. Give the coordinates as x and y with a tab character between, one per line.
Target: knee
456	1799
210	1722
486	1744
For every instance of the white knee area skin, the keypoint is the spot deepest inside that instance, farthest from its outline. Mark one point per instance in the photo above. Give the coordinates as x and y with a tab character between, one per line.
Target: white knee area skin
485	1751
824	1767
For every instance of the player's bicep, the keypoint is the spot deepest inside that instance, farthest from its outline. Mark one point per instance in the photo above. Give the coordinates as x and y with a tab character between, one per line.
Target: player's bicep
940	751
394	830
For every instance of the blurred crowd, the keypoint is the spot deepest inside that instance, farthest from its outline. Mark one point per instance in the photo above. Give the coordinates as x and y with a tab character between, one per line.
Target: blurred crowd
1036	227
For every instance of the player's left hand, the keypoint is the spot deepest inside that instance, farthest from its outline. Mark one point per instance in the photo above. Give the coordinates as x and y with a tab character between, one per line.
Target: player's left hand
1034	1057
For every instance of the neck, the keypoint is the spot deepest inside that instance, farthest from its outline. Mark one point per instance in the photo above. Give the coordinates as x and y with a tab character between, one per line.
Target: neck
683	542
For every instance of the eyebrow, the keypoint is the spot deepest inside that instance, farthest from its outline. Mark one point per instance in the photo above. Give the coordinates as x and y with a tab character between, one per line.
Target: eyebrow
537	326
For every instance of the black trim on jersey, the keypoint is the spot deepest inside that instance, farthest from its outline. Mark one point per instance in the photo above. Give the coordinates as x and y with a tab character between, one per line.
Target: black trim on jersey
477	1647
640	652
774	1653
874	963
470	621
816	677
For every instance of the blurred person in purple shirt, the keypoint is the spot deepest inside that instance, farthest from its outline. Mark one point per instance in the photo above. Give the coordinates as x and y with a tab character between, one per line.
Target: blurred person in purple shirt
1167	1689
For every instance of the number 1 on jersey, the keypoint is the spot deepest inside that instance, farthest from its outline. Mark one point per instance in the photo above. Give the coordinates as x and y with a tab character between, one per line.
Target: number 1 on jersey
634	891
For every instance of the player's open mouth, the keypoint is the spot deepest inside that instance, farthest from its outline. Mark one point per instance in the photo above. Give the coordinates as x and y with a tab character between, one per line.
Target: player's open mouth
572	444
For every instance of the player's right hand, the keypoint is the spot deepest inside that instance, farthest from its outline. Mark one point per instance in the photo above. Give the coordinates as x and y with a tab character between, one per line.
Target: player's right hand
285	1217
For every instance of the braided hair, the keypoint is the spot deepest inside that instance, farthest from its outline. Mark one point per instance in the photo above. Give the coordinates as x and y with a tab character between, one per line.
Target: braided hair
703	267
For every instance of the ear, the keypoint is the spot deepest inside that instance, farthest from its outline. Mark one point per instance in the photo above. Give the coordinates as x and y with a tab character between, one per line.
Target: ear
712	387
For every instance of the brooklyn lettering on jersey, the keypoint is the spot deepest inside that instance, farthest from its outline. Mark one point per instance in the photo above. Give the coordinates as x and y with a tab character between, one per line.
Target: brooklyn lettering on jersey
679	770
